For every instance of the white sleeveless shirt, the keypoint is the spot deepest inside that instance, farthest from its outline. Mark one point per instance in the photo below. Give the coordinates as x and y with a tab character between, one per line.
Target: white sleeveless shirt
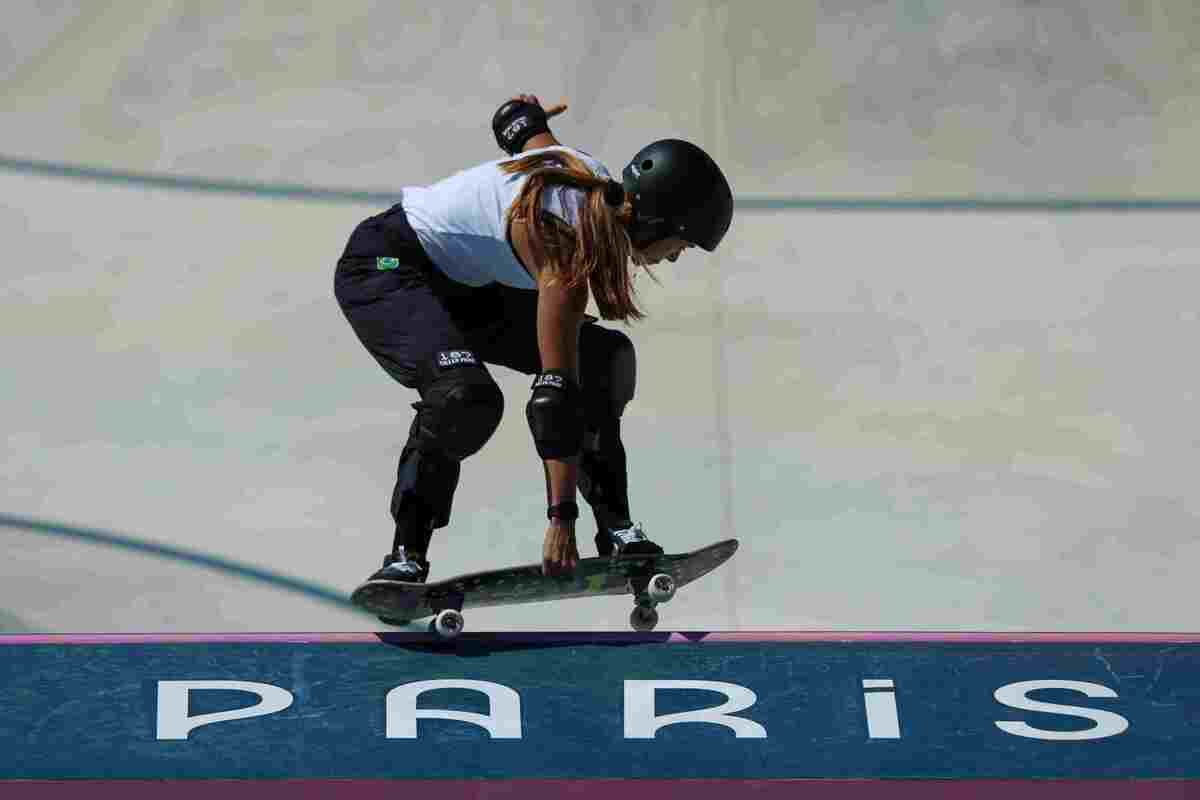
461	220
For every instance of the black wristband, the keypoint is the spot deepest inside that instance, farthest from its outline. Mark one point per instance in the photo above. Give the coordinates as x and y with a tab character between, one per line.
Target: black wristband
516	122
567	511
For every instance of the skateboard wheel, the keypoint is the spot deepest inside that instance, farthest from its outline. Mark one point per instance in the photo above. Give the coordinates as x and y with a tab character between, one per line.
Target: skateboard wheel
448	623
643	618
661	588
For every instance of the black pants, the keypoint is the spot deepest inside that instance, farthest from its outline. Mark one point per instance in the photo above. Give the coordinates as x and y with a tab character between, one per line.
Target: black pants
408	315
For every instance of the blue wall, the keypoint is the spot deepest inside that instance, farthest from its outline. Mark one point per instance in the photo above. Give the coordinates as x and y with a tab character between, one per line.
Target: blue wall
91	711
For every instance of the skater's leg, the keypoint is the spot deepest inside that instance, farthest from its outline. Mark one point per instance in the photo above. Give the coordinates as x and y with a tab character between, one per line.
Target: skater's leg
461	405
609	377
417	332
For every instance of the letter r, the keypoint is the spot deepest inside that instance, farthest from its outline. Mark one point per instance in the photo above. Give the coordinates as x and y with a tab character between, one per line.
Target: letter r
641	721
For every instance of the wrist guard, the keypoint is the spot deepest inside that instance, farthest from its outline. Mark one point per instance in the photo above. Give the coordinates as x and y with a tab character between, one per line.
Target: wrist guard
567	511
516	122
555	415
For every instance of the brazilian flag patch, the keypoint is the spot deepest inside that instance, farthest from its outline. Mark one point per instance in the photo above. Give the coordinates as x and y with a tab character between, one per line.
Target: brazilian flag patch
387	262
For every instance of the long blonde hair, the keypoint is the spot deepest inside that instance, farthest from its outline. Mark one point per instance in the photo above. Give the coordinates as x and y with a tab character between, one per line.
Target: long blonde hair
600	251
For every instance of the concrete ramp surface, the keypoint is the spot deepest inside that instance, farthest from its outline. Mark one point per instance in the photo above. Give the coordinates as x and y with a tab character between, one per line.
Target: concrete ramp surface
912	419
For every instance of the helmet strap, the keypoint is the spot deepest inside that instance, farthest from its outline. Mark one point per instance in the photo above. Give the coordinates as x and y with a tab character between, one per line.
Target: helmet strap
644	233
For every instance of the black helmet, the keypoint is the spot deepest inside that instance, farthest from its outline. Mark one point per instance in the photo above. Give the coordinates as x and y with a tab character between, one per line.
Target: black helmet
677	190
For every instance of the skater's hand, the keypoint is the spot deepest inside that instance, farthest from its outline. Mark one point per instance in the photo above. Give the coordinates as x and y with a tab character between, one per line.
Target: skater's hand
551	112
560	554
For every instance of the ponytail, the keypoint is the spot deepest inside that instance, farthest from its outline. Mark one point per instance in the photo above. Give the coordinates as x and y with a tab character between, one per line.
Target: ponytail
599	250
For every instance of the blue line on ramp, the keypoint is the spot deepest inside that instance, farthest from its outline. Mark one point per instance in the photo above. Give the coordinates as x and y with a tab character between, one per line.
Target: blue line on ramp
744	203
93	536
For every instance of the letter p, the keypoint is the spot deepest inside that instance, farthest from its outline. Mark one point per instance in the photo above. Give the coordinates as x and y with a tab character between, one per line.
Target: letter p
173	719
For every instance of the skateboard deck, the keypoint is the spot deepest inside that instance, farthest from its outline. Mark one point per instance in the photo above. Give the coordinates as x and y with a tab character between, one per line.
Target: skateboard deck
399	602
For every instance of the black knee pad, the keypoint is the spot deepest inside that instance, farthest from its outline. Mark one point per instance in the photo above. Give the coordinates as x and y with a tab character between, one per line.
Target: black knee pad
461	406
609	370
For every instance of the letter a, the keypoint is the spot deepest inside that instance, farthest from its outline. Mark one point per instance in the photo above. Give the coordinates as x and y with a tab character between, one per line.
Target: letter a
504	705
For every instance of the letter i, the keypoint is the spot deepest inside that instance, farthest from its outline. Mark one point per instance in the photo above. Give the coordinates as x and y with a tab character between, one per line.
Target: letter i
882	719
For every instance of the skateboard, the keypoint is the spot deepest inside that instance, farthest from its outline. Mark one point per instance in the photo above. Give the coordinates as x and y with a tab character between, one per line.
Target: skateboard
651	579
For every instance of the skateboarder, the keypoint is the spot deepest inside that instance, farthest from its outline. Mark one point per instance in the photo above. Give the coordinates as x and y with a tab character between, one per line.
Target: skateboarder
493	265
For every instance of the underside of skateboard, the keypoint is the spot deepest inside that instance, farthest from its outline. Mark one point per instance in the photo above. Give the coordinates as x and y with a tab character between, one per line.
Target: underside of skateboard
648	593
649	580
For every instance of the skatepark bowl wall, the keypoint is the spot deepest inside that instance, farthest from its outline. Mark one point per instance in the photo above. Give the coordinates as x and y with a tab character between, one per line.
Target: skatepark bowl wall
669	715
934	379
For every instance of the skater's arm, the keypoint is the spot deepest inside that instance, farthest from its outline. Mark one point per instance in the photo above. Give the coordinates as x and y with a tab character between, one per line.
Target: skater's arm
510	120
560	314
559	318
540	141
560	309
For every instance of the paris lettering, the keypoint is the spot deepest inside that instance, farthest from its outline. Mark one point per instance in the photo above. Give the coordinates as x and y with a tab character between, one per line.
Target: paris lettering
641	719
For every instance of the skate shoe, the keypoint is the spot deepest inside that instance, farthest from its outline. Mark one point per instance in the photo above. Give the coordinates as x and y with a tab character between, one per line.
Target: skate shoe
631	541
398	566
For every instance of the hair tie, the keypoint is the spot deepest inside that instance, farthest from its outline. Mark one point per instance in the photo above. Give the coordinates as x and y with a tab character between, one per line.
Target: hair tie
614	194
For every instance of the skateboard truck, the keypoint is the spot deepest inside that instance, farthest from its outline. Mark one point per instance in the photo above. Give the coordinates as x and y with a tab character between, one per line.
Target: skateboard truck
660	588
647	594
448	623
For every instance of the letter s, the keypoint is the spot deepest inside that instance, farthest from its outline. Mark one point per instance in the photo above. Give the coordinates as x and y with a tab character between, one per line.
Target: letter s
1014	696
